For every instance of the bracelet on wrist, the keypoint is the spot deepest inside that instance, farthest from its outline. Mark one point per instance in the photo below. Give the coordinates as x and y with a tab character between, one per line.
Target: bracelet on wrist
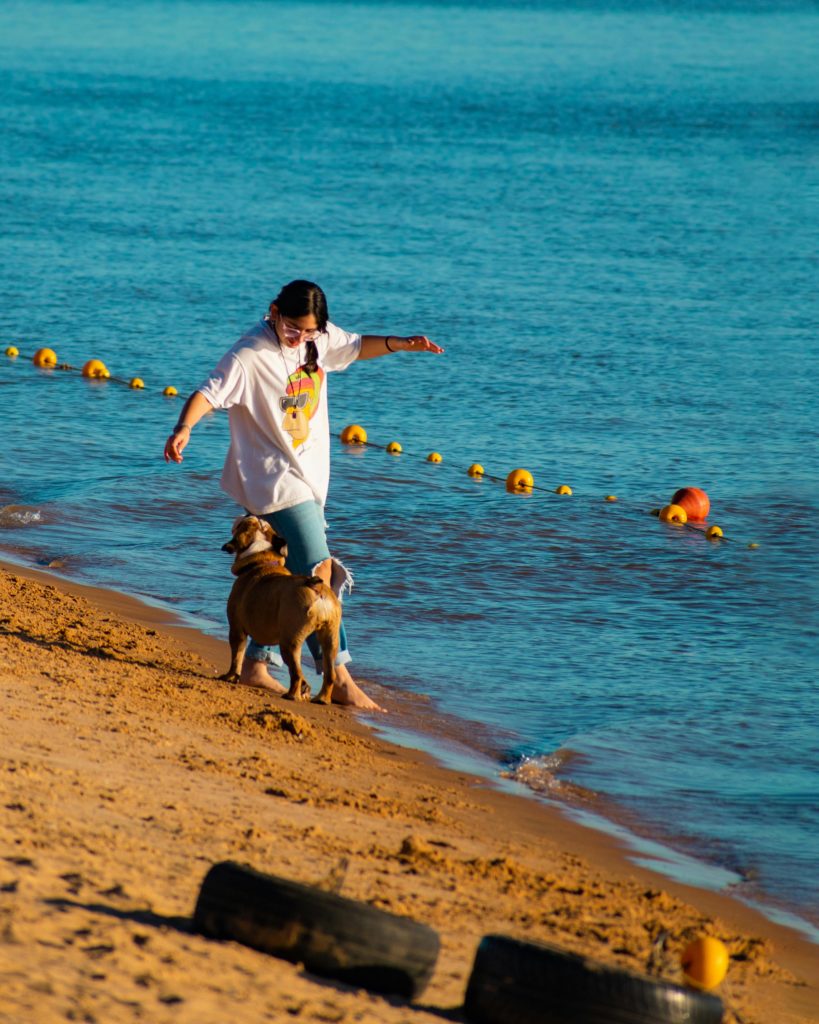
387	343
181	426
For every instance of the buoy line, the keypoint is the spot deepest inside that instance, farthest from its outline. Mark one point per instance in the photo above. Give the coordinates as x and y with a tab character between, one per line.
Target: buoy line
92	369
687	509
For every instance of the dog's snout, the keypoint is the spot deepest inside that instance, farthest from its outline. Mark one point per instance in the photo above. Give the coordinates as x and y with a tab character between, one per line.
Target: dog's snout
230	547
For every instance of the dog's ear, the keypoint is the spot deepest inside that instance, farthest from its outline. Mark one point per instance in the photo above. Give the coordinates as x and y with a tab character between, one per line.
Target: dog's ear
279	545
236	523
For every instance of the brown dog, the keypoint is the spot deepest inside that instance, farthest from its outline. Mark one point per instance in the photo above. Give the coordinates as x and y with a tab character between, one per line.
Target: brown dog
273	606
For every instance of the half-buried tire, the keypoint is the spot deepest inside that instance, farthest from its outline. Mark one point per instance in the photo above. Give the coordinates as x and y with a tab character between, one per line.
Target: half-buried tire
332	936
515	982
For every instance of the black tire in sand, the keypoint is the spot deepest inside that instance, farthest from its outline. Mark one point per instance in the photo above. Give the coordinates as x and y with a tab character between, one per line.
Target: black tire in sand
516	982
332	936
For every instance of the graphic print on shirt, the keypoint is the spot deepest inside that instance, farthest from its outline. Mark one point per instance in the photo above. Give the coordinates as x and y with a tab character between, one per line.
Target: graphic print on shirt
300	402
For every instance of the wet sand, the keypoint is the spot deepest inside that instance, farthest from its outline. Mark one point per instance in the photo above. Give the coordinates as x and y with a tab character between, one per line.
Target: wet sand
128	769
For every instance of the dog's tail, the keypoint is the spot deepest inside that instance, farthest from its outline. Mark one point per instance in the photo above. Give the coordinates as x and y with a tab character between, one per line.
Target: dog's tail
325	605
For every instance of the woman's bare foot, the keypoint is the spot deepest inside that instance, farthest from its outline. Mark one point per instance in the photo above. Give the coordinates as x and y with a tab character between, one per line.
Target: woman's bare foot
255	674
347	691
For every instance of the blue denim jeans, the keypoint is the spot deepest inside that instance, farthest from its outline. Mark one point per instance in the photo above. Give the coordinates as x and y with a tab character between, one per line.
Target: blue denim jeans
304	529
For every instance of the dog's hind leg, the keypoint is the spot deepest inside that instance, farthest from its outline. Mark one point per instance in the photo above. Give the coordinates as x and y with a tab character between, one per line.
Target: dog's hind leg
291	656
237	640
328	638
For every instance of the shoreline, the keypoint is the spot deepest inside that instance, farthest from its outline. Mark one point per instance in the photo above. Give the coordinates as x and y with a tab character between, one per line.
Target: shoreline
635	841
451	743
535	833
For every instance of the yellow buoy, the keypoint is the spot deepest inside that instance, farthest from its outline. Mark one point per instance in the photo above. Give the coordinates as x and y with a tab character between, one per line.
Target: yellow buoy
354	434
45	357
705	962
753	545
476	469
713	533
12	352
435	457
170	391
95	368
611	497
563	489
520	481
394	448
137	383
673	514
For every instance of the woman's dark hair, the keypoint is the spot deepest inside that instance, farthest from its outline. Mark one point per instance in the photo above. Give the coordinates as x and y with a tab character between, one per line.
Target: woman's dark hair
303	298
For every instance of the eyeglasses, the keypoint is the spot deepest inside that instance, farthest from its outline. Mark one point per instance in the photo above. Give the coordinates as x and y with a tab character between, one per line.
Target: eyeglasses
293	401
293	333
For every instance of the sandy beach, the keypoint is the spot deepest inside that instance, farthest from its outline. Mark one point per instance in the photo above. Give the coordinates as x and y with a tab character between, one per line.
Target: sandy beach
128	770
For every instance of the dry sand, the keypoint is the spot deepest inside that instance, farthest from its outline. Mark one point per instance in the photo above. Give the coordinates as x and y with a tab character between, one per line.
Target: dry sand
127	770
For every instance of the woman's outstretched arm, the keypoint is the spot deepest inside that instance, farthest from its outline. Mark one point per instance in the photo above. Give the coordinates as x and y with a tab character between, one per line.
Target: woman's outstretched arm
375	345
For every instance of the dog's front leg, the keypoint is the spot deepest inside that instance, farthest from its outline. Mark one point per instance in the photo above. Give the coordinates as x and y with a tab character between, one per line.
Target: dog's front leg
237	639
299	688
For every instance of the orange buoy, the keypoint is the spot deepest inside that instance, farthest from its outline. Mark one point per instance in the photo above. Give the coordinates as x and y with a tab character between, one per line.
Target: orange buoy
45	357
435	457
137	383
170	391
95	368
705	962
563	489
673	514
520	481
695	502
394	448
475	470
354	434
611	497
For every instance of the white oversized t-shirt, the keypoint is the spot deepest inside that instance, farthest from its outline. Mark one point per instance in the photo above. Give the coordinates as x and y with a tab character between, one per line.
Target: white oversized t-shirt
279	451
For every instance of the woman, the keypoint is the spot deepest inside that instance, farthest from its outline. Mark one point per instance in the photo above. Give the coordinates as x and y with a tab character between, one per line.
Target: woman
273	384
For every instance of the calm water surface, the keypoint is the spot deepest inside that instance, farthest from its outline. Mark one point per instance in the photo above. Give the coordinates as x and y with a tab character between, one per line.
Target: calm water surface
608	215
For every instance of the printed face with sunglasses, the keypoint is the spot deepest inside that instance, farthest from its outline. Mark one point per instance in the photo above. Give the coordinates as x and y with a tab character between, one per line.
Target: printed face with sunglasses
300	405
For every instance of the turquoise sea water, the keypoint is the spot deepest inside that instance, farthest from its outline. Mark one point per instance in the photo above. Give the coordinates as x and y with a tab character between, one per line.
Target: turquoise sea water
607	213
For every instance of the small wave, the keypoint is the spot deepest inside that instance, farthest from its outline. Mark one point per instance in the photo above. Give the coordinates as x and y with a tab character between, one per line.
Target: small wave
540	774
19	515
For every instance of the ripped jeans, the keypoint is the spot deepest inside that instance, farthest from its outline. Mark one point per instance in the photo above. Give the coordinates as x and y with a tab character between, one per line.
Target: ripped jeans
304	529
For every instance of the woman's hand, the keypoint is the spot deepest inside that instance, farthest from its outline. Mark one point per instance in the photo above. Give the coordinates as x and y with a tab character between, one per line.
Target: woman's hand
192	411
417	343
176	443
